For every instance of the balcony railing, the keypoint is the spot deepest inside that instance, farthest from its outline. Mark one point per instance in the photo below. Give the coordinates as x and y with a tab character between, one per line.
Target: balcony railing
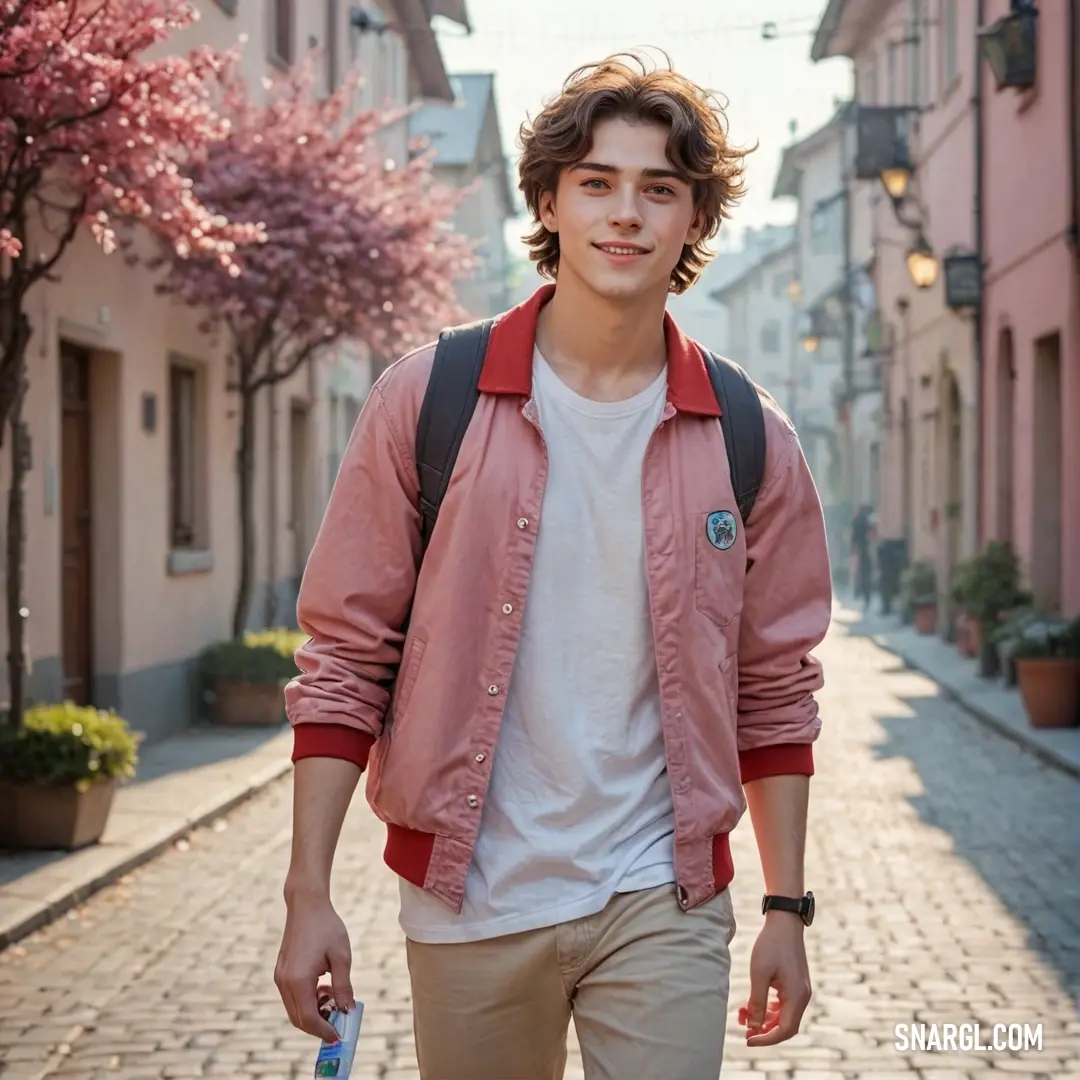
882	140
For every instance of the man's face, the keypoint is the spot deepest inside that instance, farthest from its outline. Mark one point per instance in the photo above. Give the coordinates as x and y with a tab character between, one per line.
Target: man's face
622	215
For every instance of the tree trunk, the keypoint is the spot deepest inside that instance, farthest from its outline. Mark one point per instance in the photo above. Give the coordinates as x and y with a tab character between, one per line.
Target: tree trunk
271	606
15	362
245	486
14	339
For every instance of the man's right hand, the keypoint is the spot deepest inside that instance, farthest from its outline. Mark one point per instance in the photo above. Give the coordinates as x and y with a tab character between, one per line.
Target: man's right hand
315	942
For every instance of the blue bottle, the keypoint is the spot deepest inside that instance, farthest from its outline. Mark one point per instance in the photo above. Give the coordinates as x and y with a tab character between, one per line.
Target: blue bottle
336	1059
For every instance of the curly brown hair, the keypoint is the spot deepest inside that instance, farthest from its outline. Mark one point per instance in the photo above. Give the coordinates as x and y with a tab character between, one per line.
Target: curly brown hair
698	147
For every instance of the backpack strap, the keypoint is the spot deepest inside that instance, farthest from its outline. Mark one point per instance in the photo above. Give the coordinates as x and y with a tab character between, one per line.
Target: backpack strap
451	396
742	419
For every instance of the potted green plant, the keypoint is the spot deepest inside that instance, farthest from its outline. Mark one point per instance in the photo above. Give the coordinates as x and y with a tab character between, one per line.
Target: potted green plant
246	678
966	632
1047	658
58	775
1007	635
919	590
991	587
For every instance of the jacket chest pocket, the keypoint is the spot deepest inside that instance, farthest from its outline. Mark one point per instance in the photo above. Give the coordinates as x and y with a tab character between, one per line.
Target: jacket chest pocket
719	563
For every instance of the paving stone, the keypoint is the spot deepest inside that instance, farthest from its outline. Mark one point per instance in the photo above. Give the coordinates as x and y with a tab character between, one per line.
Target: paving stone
947	891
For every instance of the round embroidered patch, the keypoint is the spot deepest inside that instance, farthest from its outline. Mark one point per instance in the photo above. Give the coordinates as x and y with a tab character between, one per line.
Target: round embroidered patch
721	529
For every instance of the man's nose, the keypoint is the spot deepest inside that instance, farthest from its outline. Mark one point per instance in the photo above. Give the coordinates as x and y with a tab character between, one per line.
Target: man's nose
626	213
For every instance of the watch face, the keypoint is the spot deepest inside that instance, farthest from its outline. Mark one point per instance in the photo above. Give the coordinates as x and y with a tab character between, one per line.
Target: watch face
808	918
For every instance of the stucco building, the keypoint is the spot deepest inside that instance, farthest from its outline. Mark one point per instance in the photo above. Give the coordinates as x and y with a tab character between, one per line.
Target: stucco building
841	402
1030	174
468	148
974	259
760	317
132	520
764	335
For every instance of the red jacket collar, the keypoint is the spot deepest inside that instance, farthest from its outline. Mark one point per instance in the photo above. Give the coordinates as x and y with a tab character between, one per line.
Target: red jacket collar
509	362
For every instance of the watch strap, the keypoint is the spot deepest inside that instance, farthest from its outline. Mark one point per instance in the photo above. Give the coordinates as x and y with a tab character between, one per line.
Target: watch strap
803	906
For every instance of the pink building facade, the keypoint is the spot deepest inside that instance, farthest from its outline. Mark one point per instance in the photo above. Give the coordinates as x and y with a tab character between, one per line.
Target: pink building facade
1031	309
132	528
980	369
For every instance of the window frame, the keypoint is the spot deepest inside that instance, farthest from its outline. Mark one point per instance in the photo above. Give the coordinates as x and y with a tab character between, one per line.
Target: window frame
282	32
183	456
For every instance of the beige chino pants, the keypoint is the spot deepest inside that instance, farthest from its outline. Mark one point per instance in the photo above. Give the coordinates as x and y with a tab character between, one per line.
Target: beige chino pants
646	984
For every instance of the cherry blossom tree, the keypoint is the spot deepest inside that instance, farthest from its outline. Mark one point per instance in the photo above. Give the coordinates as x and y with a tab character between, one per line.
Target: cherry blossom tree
356	249
92	134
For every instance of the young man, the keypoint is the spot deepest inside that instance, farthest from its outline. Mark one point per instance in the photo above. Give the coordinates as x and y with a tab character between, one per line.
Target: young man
567	698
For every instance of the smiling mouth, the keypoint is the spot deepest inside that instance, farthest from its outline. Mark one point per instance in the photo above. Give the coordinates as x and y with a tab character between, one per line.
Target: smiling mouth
621	249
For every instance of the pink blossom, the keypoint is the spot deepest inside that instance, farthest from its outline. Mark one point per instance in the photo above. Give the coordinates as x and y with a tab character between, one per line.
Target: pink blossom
9	245
108	130
94	133
351	249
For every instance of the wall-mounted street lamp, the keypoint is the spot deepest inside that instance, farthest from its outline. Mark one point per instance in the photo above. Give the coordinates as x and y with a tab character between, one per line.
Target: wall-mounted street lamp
883	151
1010	46
896	180
923	265
818	325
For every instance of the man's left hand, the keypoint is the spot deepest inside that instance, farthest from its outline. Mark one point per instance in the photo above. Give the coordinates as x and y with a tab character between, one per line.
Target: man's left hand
778	962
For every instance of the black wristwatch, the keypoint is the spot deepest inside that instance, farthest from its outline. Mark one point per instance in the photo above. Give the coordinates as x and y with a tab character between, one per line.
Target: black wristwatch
803	906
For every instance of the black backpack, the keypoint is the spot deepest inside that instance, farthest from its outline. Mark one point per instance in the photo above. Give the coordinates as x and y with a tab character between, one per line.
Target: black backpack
452	393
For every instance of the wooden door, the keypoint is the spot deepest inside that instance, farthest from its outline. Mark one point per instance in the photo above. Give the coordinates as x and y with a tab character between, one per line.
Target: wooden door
75	577
1049	495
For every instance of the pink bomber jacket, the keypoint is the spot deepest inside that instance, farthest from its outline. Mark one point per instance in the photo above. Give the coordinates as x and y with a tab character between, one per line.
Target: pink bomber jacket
420	708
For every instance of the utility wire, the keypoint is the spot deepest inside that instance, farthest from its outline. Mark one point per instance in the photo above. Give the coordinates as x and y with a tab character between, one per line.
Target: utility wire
769	29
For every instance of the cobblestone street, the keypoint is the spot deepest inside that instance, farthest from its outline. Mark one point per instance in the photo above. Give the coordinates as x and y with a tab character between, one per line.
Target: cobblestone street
948	891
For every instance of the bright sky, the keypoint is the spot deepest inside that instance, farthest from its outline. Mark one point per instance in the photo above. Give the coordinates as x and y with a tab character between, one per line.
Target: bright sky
767	84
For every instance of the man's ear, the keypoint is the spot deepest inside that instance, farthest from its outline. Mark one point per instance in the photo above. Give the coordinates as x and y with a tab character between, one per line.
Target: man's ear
697	226
548	218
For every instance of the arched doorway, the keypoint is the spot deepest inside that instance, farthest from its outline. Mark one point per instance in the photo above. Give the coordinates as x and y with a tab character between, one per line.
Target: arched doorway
952	447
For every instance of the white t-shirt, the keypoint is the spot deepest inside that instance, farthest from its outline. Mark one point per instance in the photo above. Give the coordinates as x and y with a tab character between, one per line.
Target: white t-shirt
579	806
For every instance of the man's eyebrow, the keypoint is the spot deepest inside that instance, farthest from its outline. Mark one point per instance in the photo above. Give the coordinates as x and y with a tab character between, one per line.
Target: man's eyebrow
653	174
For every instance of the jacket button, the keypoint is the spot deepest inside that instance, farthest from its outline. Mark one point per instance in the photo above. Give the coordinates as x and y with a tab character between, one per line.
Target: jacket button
473	801
493	689
480	757
523	523
507	608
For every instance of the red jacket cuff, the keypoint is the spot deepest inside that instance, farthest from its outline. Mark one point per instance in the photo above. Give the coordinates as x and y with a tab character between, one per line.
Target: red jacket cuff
784	760
333	741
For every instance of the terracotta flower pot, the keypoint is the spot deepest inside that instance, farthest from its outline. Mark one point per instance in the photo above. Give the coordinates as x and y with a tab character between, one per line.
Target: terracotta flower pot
46	817
1050	688
925	618
248	704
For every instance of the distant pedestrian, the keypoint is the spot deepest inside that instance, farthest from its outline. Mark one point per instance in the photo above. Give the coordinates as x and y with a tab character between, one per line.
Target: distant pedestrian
863	538
607	650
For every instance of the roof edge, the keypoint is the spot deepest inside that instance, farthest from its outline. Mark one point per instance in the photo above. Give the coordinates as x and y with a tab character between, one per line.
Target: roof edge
719	295
823	36
454	10
424	52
